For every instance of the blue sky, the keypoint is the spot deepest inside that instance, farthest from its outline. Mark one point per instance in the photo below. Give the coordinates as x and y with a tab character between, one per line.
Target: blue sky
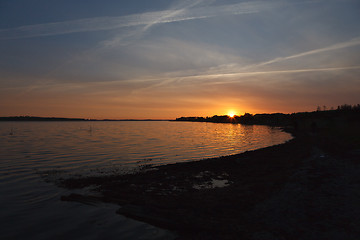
165	59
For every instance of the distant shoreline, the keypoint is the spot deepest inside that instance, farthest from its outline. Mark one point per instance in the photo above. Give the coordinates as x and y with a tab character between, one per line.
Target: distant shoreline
49	119
300	120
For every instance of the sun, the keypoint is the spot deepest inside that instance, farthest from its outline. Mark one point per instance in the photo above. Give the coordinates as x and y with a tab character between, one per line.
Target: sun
231	114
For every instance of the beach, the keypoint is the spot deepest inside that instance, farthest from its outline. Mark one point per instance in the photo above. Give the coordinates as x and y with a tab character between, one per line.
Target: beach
302	189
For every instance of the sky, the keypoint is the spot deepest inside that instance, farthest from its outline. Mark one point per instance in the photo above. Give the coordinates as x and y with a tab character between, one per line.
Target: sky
163	59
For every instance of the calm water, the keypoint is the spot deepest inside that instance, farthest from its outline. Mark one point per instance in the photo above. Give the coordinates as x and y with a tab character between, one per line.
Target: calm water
33	152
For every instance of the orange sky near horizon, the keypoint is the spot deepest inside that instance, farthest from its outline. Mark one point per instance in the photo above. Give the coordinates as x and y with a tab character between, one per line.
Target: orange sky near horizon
257	93
167	59
100	108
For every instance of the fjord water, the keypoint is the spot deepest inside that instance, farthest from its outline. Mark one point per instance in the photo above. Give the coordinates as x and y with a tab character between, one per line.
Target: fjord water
34	154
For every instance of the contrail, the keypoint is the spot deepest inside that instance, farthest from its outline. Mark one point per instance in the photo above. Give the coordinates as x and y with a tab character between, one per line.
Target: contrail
239	74
350	43
209	78
147	19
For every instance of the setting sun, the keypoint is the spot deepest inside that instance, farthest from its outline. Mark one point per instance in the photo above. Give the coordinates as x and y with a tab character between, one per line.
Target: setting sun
231	114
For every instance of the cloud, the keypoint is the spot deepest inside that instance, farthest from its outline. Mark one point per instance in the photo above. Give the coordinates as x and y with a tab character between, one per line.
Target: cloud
225	78
235	69
346	44
147	19
123	38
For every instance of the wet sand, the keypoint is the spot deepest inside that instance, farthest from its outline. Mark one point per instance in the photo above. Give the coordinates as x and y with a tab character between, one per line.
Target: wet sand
297	190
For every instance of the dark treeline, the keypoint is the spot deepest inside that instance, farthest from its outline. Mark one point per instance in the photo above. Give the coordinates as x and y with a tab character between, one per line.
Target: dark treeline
349	112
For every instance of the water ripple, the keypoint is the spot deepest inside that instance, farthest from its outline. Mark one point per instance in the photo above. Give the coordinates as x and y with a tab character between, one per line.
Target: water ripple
39	152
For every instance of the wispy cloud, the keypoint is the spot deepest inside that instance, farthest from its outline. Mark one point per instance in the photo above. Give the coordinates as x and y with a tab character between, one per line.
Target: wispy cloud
289	71
147	19
123	38
172	14
238	70
346	44
221	78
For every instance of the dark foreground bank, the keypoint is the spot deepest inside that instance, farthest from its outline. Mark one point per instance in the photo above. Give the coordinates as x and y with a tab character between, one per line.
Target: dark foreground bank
307	188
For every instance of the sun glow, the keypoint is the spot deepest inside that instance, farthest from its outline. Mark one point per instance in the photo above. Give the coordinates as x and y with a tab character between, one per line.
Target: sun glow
231	114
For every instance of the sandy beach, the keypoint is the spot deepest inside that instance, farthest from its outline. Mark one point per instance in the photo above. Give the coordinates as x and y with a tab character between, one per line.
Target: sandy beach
302	189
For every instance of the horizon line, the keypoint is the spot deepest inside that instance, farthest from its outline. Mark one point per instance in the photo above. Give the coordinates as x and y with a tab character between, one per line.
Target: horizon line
152	119
83	119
